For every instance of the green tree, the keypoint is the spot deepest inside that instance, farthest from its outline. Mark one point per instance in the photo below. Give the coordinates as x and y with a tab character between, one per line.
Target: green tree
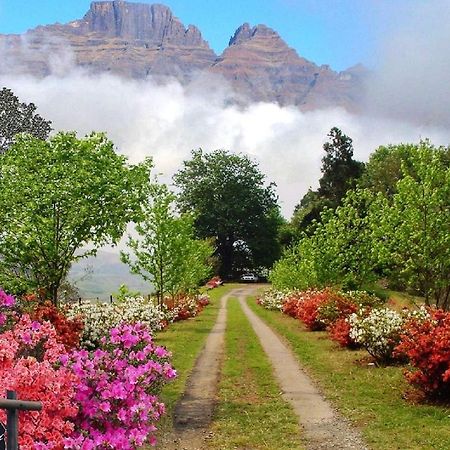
339	170
17	117
339	174
389	164
232	204
414	229
166	252
57	197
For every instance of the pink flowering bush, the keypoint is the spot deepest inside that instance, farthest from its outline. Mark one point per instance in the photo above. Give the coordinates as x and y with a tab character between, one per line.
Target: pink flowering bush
117	390
29	365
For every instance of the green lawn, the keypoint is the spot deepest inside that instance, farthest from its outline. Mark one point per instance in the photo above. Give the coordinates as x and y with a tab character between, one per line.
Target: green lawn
251	414
371	397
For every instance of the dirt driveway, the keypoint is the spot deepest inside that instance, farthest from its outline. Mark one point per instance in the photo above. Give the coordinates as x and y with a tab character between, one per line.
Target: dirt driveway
323	427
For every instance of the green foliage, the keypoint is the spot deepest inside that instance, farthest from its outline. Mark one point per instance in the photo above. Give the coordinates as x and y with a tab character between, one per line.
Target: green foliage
56	198
388	165
232	205
337	251
339	169
17	117
402	232
414	234
339	174
167	253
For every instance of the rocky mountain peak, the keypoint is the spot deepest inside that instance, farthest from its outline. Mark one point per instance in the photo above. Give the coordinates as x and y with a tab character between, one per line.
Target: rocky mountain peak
140	40
137	22
245	33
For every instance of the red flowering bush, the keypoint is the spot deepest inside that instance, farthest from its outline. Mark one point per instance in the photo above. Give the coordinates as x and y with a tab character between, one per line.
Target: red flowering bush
339	331
214	282
291	304
309	307
335	306
426	343
68	331
185	307
29	365
202	301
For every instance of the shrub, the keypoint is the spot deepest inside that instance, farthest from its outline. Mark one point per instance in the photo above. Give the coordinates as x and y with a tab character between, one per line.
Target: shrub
308	310
378	331
335	306
117	388
99	318
339	331
273	299
214	282
338	307
68	331
426	343
364	299
29	365
291	304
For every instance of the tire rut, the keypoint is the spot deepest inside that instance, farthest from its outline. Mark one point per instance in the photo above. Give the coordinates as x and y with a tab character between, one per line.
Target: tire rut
194	411
324	428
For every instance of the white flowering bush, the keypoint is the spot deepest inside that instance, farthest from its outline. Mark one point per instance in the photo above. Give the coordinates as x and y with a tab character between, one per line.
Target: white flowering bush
421	314
273	299
378	331
99	318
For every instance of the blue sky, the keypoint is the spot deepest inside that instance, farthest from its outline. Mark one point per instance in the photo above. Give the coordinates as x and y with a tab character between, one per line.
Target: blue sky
336	32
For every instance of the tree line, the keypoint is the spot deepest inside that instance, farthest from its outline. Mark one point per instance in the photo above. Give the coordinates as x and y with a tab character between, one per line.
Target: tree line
63	197
388	219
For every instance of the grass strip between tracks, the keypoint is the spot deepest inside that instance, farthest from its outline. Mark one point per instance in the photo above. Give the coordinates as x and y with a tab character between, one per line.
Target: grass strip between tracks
251	412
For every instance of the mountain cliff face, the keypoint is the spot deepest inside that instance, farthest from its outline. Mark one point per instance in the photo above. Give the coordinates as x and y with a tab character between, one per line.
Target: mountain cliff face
141	40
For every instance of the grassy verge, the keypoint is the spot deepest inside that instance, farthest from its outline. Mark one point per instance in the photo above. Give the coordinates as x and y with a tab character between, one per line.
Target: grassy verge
251	413
185	339
371	397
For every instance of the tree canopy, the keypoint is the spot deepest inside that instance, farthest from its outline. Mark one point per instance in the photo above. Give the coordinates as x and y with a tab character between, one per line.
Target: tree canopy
233	205
166	252
401	231
17	117
57	197
339	174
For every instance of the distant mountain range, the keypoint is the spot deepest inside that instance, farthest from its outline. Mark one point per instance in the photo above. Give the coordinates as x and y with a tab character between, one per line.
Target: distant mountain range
136	41
101	276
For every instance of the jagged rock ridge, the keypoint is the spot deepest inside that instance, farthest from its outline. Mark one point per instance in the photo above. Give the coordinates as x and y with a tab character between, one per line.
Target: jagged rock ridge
140	40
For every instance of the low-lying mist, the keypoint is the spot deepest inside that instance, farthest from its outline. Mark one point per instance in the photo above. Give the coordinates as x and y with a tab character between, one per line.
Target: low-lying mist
144	118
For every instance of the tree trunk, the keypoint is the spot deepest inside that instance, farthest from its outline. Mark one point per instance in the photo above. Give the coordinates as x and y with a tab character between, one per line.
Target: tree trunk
226	255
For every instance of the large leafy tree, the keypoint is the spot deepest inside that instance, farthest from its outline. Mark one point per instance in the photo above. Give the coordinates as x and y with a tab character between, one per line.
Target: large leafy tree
413	232
57	197
233	205
17	117
389	164
166	252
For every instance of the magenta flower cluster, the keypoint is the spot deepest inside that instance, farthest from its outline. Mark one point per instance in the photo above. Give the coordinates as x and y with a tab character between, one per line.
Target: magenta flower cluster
103	399
117	390
6	301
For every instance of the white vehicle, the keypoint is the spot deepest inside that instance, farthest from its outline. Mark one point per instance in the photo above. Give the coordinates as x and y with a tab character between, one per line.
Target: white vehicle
249	278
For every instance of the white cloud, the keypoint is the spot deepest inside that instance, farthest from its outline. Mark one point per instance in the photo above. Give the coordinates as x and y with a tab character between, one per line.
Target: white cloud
167	121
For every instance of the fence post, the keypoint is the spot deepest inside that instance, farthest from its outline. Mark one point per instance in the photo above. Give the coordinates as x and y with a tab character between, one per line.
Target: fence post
12	405
11	423
111	299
